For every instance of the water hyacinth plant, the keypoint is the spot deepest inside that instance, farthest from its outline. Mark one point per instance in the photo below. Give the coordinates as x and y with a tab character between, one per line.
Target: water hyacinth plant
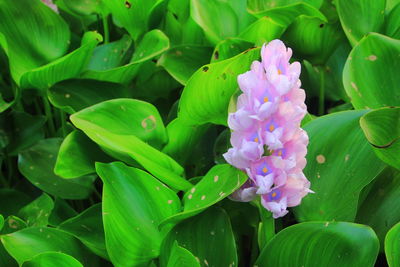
187	133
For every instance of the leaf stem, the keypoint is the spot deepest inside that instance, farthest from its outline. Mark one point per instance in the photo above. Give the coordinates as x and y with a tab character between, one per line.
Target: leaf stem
321	105
106	29
49	116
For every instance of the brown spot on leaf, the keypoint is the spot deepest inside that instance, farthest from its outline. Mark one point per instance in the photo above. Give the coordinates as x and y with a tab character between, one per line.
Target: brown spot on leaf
205	69
216	55
320	159
321	25
128	4
149	123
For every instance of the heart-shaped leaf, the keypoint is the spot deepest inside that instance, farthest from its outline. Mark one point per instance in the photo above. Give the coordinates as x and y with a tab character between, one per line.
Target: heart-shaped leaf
37	165
134	203
263	30
370	75
382	129
228	48
336	167
207	94
321	244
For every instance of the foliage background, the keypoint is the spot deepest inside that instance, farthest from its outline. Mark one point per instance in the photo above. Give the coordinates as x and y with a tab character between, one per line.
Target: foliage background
113	123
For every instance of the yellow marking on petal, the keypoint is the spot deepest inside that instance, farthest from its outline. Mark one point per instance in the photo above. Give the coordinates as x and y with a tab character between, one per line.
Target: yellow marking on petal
280	153
273	194
271	127
266	99
256	140
279	72
265	170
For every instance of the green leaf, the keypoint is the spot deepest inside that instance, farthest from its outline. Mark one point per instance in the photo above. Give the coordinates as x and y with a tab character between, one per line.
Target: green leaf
25	130
392	249
88	228
285	11
13	224
1	222
84	9
217	184
27	243
134	203
336	167
61	212
76	94
12	201
382	129
111	55
154	43
66	67
132	15
138	126
228	48
208	237
37	164
32	35
38	211
321	244
379	209
263	30
77	156
181	257
182	61
182	140
370	17
50	259
313	39
207	94
392	23
370	75
217	19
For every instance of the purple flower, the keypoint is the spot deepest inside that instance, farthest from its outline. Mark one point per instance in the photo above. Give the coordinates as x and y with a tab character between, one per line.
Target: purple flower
267	141
50	4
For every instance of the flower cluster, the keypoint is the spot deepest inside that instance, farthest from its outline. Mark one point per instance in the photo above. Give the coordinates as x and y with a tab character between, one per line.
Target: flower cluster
267	141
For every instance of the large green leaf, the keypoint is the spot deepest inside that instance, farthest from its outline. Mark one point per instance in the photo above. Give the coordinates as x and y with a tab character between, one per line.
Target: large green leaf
382	129
128	126
50	259
315	244
370	17
77	156
285	11
76	94
392	23
207	94
228	48
370	75
392	247
182	61
37	164
379	209
134	203
217	19
263	30
38	211
219	182
132	15
154	43
32	35
340	163
208	237
181	257
88	228
29	242
313	39
66	67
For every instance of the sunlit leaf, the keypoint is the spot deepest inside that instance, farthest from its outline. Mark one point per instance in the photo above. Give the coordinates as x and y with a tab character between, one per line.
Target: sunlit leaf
50	259
392	249
38	211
